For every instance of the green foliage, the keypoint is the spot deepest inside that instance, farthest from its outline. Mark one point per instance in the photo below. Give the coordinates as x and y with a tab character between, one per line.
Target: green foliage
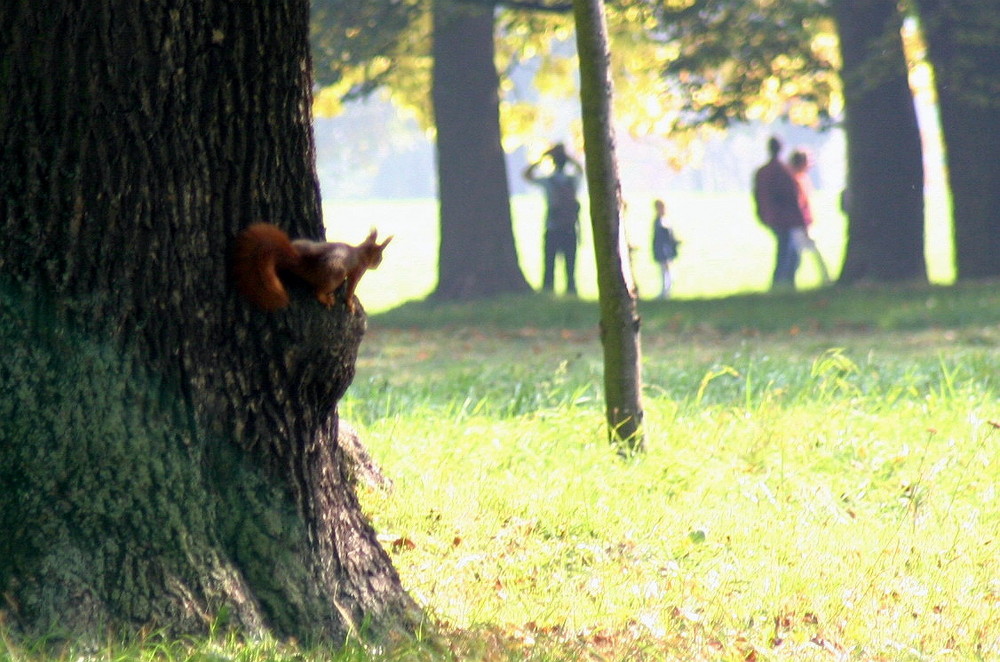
675	65
359	36
740	61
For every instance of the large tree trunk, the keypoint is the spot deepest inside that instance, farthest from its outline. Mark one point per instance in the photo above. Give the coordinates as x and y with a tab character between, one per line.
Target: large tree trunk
616	289
168	455
963	39
884	157
478	257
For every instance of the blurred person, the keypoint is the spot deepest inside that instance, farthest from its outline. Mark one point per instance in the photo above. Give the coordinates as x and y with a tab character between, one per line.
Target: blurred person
562	213
778	206
664	246
799	164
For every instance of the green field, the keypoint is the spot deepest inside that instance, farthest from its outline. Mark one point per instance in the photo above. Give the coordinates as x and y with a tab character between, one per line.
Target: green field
724	250
820	481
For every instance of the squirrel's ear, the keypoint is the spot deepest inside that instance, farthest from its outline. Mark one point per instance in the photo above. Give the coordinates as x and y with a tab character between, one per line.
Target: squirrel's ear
372	235
387	240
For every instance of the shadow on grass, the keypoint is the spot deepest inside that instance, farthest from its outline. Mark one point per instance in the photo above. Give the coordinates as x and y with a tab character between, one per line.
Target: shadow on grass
836	309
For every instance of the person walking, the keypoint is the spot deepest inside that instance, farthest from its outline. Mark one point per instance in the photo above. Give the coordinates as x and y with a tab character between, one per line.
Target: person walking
799	164
778	205
562	213
664	246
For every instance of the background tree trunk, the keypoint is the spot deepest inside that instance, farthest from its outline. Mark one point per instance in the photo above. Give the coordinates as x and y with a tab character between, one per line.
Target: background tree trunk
168	455
616	289
885	179
963	40
478	257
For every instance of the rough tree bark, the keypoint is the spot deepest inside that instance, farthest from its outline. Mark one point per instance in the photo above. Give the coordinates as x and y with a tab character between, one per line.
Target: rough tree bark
478	257
884	156
616	289
168	455
963	38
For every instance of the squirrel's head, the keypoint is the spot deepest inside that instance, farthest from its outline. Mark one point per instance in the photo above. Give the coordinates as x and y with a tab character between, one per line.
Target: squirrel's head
374	249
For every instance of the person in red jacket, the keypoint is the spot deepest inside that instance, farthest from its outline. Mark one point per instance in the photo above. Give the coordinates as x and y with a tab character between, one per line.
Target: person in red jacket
799	164
778	202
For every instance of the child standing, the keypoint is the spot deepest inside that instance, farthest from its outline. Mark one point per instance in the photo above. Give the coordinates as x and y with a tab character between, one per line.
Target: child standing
664	245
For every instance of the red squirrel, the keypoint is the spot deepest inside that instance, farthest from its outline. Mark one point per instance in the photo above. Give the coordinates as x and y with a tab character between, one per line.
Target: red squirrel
263	253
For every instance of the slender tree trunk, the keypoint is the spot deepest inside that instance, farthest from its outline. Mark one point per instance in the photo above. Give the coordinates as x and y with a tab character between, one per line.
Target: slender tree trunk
884	158
963	39
616	289
478	257
168	455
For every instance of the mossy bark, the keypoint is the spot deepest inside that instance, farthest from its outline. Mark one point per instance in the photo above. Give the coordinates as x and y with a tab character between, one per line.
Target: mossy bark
168	455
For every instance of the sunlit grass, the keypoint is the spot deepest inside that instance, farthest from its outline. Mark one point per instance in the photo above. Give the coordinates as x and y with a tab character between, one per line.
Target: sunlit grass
819	480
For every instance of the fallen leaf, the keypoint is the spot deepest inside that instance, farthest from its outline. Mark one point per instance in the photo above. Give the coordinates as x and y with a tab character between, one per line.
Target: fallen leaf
396	542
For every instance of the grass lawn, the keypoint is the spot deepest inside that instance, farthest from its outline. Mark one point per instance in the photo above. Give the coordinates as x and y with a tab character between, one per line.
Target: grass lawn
820	481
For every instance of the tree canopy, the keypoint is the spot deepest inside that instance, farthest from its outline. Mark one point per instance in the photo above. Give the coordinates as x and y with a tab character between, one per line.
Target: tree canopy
710	63
674	68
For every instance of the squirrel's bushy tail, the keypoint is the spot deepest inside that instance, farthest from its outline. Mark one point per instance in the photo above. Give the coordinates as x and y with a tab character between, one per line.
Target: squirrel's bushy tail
259	253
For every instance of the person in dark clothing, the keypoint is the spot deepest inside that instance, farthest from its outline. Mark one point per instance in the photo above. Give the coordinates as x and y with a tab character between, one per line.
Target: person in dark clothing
562	213
664	246
778	203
